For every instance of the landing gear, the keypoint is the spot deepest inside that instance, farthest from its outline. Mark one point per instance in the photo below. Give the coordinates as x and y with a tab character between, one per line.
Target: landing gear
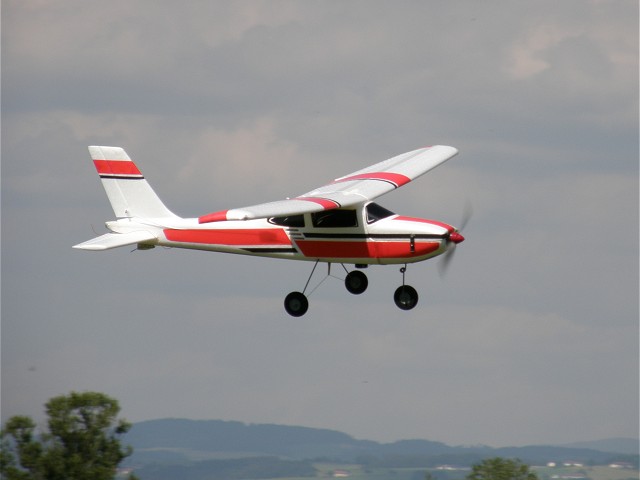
296	304
405	296
356	282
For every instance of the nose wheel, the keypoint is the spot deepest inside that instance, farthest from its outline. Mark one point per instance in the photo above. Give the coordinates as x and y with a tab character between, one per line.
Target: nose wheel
405	296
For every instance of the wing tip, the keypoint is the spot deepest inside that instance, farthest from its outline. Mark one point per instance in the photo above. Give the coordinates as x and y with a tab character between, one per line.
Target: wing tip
89	248
446	148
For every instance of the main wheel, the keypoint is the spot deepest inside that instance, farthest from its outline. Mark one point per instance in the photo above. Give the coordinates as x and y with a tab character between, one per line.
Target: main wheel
405	297
356	282
296	304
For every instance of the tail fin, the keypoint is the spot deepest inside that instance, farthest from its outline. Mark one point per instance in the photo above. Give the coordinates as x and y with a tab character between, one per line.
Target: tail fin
128	191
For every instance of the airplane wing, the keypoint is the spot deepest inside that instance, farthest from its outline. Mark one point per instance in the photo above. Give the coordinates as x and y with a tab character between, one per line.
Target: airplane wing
114	240
350	190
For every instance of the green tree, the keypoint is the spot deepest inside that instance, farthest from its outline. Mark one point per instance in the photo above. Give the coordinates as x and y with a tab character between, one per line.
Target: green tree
501	469
82	441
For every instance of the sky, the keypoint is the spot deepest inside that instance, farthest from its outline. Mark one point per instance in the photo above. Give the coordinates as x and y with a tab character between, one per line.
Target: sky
531	337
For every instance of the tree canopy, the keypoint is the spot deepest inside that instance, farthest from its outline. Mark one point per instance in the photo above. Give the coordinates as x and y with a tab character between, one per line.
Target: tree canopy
82	441
498	468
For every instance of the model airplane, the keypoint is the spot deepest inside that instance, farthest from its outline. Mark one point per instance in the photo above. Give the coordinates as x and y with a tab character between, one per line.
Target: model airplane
336	223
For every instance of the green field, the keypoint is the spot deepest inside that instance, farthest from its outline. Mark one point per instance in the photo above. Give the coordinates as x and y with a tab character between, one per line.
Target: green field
357	472
592	473
360	472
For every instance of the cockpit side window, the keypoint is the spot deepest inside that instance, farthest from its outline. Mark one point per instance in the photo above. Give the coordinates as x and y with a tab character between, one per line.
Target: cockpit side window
335	219
289	221
375	212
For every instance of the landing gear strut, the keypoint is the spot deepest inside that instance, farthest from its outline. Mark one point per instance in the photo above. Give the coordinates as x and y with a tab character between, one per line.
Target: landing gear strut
296	303
405	296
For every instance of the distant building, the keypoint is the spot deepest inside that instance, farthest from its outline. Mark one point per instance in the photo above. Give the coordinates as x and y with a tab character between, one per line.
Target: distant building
451	468
625	465
340	473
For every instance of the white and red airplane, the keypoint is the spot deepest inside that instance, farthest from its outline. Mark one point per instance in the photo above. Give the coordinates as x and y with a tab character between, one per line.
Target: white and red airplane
336	223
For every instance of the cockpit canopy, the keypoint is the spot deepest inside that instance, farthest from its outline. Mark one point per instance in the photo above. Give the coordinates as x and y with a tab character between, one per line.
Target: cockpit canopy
336	218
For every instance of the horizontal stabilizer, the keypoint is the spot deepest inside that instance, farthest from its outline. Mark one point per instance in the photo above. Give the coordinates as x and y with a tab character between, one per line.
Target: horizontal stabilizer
114	240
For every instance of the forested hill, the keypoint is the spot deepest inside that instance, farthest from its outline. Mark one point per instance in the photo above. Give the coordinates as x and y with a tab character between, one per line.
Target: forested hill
175	440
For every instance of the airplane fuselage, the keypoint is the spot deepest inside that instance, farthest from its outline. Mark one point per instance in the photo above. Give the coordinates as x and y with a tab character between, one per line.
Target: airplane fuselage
353	236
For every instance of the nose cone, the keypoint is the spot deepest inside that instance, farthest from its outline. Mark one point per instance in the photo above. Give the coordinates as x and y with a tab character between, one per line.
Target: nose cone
456	238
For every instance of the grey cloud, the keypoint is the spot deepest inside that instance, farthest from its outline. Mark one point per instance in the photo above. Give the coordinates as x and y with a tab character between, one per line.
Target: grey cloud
225	104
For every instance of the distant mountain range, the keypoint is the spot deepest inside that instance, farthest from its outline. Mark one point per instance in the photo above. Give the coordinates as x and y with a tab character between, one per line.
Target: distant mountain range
630	446
179	441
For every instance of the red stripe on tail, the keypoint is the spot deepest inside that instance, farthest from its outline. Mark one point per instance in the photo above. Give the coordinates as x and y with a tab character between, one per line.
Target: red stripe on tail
117	168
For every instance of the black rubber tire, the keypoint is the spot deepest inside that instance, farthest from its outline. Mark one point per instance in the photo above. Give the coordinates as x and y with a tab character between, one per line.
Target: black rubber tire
405	297
296	304
356	282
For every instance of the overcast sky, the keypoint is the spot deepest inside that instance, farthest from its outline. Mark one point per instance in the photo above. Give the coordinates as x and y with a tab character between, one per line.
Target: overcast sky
532	337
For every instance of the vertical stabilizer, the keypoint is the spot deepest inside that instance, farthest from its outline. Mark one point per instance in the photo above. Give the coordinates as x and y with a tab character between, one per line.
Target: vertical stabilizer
128	191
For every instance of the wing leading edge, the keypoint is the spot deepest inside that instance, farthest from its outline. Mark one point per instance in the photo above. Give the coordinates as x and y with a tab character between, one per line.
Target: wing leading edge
353	189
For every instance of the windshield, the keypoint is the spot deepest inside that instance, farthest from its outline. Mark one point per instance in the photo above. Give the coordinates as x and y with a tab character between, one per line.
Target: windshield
376	212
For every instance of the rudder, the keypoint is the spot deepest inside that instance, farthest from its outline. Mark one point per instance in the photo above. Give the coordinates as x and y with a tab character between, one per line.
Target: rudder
128	191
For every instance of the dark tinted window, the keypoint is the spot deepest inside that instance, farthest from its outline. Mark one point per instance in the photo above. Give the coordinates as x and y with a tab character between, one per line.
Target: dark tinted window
375	212
335	219
290	221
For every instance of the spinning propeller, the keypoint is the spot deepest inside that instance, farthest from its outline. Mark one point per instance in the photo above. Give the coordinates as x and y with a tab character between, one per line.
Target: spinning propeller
454	239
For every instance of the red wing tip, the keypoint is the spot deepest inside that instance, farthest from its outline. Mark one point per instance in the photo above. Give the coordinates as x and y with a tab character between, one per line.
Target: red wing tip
214	217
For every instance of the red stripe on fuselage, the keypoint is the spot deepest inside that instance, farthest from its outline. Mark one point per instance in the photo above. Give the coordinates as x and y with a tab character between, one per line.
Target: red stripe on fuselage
335	249
365	249
396	179
403	249
117	167
231	237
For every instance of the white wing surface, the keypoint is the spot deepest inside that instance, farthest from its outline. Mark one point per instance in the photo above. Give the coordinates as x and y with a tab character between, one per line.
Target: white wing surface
114	240
350	190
